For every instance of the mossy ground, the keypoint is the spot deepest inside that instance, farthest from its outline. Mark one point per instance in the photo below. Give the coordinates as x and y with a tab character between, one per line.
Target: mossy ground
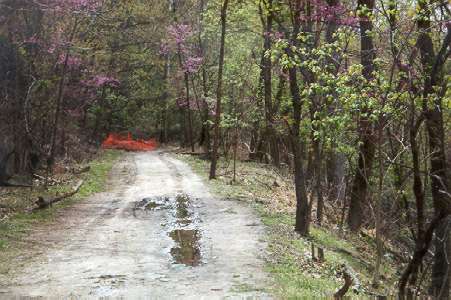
19	222
295	272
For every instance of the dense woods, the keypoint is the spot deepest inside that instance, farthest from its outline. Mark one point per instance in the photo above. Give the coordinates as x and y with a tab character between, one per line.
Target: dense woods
350	97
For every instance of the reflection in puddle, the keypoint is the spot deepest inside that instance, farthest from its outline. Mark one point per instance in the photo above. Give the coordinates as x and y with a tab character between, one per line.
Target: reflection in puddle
187	251
182	211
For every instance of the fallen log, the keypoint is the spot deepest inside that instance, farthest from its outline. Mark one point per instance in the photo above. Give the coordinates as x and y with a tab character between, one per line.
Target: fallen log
9	184
82	170
191	153
42	203
200	155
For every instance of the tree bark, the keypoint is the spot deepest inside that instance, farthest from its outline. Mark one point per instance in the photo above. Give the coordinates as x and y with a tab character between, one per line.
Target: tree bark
266	70
335	161
359	191
417	189
439	173
302	223
418	255
205	130
214	158
302	206
188	108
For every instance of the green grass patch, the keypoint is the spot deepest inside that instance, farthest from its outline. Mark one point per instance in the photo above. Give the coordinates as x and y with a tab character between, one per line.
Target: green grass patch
95	179
293	283
295	272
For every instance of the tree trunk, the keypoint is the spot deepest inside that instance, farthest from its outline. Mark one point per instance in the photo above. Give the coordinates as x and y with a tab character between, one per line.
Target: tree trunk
205	130
164	114
318	181
366	153
378	206
439	177
303	207
335	161
188	108
266	70
214	158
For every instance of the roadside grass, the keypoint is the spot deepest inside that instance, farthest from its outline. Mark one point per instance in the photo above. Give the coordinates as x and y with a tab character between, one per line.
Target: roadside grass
295	272
20	222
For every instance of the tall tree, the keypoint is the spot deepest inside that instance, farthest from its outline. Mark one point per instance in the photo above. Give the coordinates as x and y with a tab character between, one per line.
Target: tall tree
266	69
359	191
205	131
302	222
432	95
217	129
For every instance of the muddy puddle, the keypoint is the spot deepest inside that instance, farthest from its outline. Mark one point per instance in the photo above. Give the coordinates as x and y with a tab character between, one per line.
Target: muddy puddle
187	250
184	233
146	205
181	223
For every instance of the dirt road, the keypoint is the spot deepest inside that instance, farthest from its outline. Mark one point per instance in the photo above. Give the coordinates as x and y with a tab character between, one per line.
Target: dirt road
156	233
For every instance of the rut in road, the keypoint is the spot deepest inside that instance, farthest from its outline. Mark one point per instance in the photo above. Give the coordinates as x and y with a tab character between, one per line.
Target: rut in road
158	232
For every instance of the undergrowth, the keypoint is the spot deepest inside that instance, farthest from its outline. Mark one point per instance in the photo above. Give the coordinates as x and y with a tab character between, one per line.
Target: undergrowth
295	272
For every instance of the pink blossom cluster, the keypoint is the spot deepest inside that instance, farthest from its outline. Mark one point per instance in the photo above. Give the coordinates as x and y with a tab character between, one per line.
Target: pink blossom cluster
180	33
274	35
324	12
192	64
177	41
165	49
72	61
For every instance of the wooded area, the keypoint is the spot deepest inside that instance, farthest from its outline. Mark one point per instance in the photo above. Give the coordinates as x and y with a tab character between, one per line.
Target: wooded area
350	96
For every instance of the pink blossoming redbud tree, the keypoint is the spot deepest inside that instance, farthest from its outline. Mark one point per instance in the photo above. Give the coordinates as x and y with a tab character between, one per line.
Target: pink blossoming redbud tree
177	42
